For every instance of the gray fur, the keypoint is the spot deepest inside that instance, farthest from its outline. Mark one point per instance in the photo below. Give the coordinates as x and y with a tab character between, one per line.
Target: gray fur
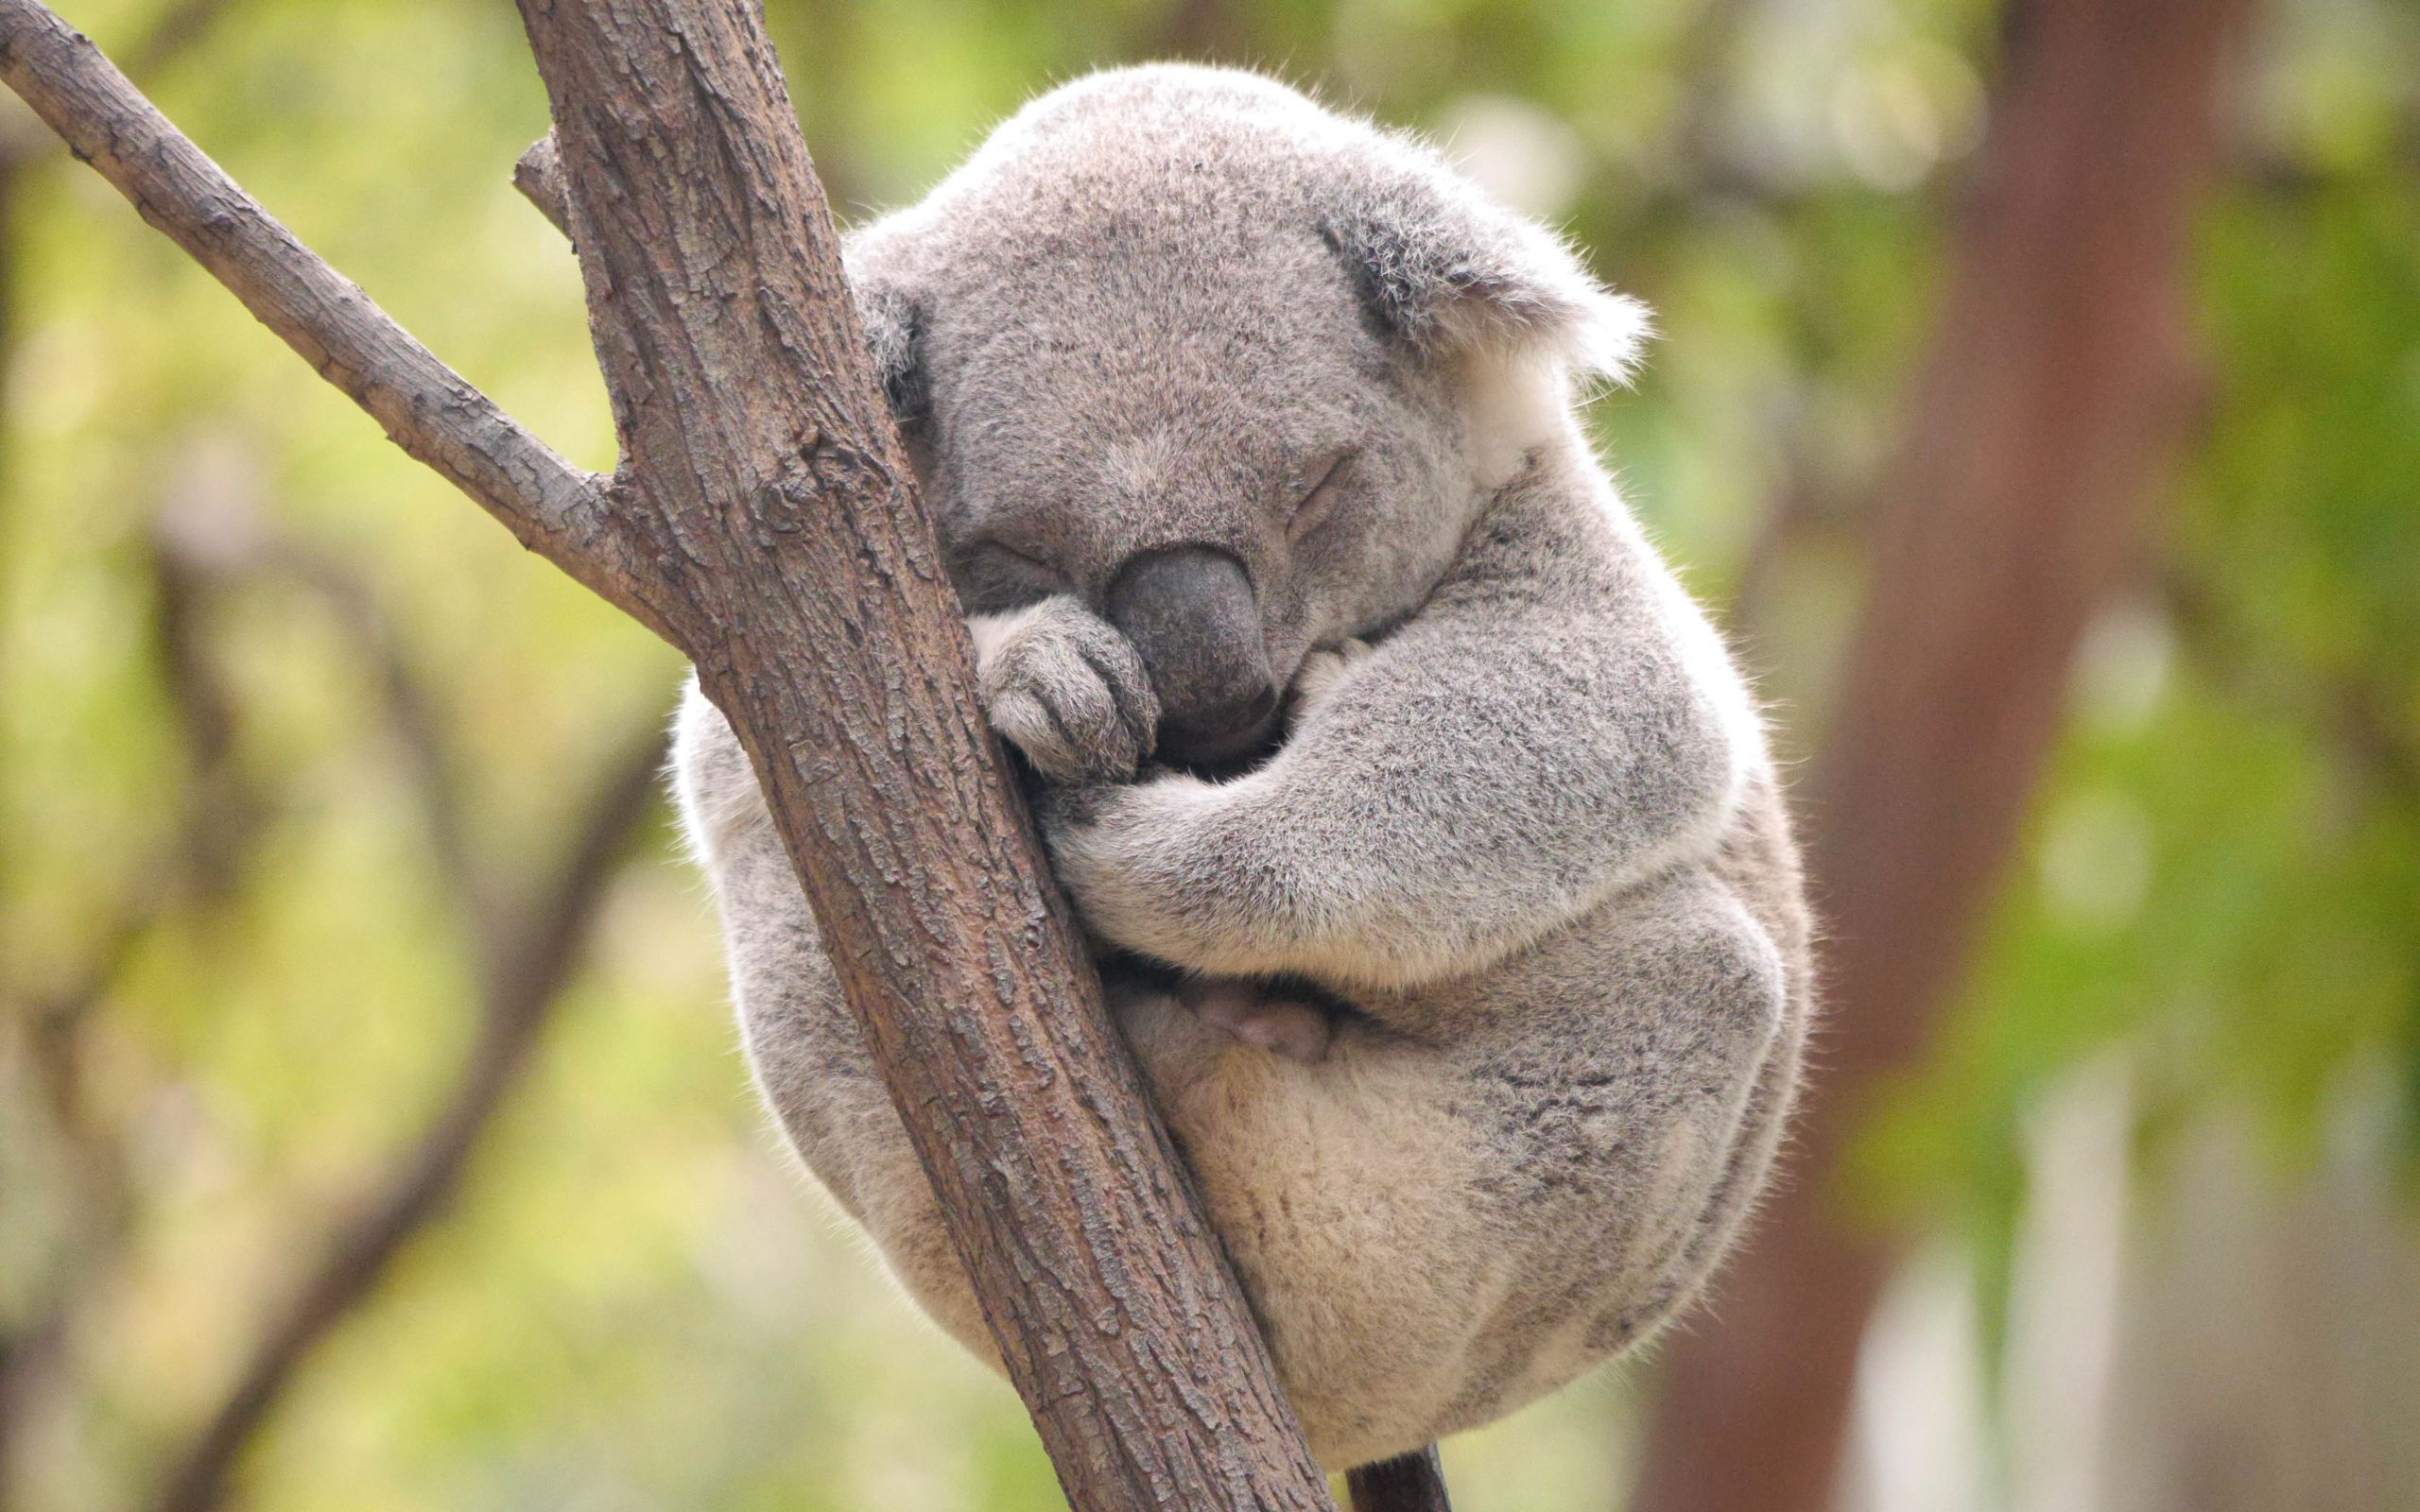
1516	889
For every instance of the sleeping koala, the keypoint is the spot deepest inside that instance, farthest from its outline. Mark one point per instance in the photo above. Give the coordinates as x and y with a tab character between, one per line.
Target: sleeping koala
1428	835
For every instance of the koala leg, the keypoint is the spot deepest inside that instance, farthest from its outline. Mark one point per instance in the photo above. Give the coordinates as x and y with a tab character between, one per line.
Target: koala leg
1264	1015
1440	1228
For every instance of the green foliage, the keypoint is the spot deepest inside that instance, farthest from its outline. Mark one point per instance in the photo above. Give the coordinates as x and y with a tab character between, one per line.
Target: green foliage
636	1303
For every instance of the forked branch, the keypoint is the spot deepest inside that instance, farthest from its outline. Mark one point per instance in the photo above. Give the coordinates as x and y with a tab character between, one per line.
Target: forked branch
747	408
764	519
425	407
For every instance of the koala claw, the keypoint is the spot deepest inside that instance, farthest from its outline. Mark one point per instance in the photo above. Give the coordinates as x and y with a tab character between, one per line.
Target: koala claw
1322	672
1282	1025
1068	690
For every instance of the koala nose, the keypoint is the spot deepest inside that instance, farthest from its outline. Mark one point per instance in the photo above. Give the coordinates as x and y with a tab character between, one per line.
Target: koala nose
1191	612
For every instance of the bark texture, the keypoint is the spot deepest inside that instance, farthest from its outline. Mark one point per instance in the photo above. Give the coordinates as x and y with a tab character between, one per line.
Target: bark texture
2054	393
765	521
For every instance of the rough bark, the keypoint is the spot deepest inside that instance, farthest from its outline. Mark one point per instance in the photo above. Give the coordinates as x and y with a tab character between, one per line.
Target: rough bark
784	503
763	520
2053	394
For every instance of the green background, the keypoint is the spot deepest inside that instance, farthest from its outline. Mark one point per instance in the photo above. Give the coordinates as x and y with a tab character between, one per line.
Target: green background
636	1303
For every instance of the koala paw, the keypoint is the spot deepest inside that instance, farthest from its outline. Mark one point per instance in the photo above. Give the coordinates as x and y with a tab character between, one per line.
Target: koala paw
1322	672
1263	1018
1067	690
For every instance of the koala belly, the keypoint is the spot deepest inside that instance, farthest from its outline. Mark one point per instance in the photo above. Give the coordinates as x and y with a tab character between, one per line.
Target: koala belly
1434	1230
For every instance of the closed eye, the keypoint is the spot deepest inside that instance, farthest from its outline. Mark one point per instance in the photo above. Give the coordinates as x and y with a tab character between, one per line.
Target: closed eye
994	578
1314	506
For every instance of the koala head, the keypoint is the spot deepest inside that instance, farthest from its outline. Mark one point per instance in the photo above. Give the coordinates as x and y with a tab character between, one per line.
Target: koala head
1237	371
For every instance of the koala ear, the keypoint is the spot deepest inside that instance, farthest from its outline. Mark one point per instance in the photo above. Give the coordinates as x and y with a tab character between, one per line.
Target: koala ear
894	325
1447	271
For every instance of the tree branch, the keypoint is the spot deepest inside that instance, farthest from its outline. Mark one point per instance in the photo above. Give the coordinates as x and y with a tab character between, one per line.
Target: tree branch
768	526
539	176
425	407
786	506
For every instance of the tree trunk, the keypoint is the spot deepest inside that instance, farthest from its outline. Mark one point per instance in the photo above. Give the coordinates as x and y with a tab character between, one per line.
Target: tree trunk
763	520
2053	393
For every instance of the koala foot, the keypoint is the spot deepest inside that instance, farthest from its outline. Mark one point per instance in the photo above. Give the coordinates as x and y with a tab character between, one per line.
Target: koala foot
1321	672
1067	689
1267	1021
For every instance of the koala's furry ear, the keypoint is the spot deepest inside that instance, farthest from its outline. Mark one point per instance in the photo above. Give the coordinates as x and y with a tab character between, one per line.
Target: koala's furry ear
1447	270
894	325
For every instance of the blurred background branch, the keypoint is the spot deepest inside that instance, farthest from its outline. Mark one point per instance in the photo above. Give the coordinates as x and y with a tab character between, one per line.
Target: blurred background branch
2039	432
217	821
2127	862
528	961
206	553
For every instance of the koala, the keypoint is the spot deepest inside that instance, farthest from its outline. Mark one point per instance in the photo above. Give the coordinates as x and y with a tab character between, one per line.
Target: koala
1425	832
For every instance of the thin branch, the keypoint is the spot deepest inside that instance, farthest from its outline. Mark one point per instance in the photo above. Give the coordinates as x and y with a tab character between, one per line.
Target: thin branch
523	982
425	407
218	824
539	176
173	33
413	717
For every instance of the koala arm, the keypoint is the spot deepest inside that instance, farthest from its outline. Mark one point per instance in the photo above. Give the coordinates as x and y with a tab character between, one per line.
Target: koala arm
1067	689
1558	723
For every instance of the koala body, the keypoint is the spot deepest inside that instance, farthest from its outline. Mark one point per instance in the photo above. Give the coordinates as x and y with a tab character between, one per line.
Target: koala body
1428	835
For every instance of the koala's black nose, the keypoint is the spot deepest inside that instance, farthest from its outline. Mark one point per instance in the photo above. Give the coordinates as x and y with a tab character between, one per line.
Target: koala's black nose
1190	611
